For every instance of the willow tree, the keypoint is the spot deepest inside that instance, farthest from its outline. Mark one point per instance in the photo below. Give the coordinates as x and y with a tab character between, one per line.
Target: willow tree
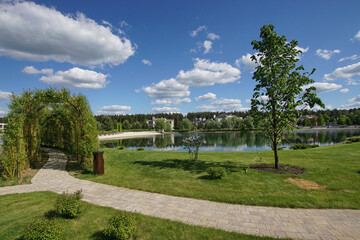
282	86
48	117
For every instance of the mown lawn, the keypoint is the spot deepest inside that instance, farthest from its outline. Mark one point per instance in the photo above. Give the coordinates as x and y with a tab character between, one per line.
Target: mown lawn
19	210
335	167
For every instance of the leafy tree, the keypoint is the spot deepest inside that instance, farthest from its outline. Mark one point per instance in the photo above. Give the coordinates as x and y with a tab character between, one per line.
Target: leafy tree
187	124
160	124
108	124
249	123
137	125
279	90
167	127
126	124
341	120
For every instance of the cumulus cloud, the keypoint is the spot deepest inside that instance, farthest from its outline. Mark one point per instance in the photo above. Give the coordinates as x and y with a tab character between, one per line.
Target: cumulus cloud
207	45
3	111
206	97
353	103
346	72
303	50
4	96
167	89
352	58
357	36
326	54
32	70
213	36
30	31
172	101
146	62
76	78
165	110
223	104
206	73
195	32
246	61
322	87
344	90
113	110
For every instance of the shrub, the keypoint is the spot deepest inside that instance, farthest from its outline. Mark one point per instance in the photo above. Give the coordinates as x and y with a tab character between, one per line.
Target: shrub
120	226
69	205
121	147
140	149
303	146
216	172
353	139
43	229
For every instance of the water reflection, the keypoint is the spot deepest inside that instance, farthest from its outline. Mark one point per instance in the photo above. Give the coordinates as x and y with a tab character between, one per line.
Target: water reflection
232	141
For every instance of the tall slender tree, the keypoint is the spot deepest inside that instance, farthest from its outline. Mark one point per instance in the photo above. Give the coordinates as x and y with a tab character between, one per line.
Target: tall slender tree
282	86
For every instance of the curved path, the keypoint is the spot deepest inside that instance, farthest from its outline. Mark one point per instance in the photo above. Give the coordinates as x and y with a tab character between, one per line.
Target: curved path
262	221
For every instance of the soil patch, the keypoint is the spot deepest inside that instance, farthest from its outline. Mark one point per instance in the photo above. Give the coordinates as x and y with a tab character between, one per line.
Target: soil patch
306	184
283	169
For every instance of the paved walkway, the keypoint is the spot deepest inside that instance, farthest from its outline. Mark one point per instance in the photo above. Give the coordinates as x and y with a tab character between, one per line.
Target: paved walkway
262	221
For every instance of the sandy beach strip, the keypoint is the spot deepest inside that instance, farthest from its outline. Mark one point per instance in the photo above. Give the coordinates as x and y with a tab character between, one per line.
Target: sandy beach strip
123	135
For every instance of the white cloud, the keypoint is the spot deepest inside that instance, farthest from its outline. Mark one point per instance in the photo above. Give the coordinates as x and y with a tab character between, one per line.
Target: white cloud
206	97
246	61
195	32
4	96
206	73
167	89
146	62
34	32
346	72
77	78
113	110
32	70
344	90
165	110
357	36
352	58
213	36
322	87
205	108
207	45
303	50
326	54
353	103
3	111
223	104
172	101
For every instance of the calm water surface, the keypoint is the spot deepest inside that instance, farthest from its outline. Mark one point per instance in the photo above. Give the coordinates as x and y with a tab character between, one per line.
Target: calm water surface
233	141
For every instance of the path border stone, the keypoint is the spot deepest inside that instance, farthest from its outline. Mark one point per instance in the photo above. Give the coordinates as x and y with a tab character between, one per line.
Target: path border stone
254	220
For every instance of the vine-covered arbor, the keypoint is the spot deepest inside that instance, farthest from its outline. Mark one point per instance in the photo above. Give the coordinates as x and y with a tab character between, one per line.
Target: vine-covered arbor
52	118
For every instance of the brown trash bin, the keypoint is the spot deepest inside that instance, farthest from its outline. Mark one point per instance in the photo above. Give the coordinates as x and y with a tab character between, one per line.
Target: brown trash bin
98	162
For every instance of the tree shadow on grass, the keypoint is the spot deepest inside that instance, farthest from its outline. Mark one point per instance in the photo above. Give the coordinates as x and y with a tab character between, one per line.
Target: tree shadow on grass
99	235
192	166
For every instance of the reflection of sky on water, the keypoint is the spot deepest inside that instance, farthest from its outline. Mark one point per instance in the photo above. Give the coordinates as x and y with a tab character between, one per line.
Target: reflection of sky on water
233	141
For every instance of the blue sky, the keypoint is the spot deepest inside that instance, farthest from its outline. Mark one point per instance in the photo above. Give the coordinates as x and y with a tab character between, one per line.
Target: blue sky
131	57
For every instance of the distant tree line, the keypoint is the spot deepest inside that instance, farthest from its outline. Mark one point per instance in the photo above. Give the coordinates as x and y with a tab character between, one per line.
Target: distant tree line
241	121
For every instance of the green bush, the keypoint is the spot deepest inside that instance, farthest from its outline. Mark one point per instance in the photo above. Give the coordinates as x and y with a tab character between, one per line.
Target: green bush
121	147
120	226
303	146
353	139
43	229
140	149
216	172
69	205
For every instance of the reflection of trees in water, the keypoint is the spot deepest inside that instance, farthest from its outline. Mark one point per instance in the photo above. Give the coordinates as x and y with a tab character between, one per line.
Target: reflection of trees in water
233	139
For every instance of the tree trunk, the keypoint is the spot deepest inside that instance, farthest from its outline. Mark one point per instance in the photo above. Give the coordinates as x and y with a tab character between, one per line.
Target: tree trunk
275	147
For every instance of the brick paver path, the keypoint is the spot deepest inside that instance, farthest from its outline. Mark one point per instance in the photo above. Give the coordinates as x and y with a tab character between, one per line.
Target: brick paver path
263	221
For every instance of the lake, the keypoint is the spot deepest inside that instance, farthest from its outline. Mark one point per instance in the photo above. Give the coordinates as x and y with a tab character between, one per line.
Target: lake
233	141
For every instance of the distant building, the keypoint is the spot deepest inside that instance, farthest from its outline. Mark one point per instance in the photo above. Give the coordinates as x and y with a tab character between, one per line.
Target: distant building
152	122
2	126
223	116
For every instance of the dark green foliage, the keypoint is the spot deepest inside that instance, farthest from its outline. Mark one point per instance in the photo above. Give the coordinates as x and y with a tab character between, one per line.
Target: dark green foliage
69	205
216	172
121	147
140	149
120	226
353	139
43	229
303	146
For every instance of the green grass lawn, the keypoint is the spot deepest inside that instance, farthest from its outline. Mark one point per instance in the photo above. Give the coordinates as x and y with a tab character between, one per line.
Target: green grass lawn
335	167
19	210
